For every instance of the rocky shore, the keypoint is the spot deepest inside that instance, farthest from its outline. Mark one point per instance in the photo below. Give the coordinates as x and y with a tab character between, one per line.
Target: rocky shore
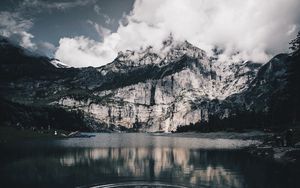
282	146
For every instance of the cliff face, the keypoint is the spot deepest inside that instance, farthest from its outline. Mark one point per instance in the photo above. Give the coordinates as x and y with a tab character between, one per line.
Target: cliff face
175	88
144	90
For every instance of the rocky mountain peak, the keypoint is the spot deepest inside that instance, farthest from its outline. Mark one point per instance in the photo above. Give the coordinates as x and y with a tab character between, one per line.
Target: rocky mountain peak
177	49
171	51
134	57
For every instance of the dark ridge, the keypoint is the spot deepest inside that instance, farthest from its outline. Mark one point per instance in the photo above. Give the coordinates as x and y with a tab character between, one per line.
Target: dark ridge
18	63
40	117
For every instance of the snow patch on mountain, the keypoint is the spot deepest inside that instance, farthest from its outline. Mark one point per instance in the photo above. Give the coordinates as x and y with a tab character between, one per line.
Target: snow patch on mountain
58	64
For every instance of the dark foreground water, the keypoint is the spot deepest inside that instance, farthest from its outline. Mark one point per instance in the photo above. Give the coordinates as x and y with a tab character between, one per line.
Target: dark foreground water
138	160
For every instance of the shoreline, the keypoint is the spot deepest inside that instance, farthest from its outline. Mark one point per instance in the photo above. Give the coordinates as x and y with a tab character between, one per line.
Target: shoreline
282	147
12	134
265	148
284	155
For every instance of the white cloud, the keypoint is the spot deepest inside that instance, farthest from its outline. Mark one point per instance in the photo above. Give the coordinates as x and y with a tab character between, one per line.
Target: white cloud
254	28
81	51
16	28
26	40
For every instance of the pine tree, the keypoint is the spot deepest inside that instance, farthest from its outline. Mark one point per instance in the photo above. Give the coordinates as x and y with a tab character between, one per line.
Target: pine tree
295	46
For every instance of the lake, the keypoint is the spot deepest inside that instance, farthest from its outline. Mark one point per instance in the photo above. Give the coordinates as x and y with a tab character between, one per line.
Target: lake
140	160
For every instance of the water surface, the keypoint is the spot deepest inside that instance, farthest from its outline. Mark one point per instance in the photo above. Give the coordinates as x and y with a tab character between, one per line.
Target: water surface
138	160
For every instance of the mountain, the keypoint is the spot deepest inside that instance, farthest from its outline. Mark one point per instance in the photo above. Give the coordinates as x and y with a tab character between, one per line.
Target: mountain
159	91
146	90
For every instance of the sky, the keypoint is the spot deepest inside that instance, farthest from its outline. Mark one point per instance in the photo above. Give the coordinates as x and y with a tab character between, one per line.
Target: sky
91	32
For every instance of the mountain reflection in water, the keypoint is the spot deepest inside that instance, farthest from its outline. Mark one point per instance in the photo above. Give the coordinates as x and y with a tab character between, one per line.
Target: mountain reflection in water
188	166
125	158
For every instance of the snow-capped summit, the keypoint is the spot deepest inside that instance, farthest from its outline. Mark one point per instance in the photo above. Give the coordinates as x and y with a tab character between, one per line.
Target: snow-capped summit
58	64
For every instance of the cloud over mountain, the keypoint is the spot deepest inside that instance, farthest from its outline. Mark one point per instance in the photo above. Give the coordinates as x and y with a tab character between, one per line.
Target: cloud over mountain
13	26
244	30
